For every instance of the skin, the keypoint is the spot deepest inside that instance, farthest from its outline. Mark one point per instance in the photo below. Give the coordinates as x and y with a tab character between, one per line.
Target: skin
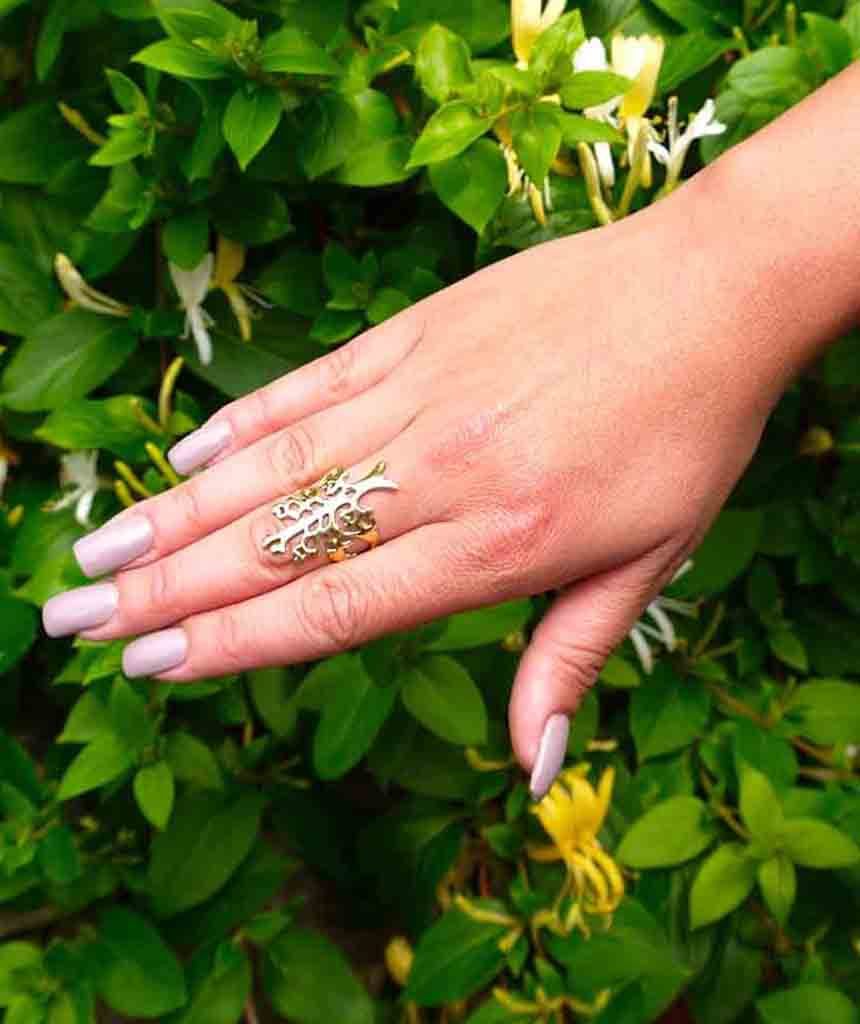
569	419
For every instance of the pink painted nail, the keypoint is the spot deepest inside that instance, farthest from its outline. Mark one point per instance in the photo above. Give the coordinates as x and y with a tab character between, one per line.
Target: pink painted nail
114	545
550	758
156	653
198	448
76	610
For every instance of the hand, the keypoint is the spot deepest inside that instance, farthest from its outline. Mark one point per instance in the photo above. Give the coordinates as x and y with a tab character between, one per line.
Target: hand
572	417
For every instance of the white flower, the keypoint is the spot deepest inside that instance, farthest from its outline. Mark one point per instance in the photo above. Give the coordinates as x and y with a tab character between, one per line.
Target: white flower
591	56
672	157
528	21
540	200
193	287
83	294
80	481
660	629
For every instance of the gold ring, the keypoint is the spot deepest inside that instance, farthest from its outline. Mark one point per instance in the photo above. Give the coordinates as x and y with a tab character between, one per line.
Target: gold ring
328	517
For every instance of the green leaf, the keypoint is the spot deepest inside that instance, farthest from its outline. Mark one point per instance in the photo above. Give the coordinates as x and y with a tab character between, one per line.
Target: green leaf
455	958
309	981
27	296
220	982
442	696
693	14
15	957
154	791
192	761
185	238
127	92
381	147
484	626
294	52
726	551
828	44
777	880
789	648
250	120
17	768
207	839
781	72
826	711
18	626
537	139
688	54
34	142
593	88
619	673
331	128
808	1004
815	844
352	716
674	831
123	145
183	60
723	882
253	214
551	60
760	806
137	974
667	712
113	424
443	64
100	762
87	719
449	131
65	358
473	184
196	19
576	128
59	857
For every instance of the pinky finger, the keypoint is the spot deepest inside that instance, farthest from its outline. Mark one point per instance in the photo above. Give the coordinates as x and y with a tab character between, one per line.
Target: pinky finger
408	581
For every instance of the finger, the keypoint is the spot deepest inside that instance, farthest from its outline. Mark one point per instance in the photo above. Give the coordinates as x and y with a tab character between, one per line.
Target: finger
272	467
335	378
399	585
234	564
568	649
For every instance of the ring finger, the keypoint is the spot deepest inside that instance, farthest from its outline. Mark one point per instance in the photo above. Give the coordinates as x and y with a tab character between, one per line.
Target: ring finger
244	558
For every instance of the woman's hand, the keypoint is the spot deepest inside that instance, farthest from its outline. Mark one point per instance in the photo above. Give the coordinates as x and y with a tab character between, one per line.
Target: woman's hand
571	418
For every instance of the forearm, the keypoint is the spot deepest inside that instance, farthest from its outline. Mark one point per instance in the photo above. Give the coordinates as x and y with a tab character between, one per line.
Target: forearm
776	223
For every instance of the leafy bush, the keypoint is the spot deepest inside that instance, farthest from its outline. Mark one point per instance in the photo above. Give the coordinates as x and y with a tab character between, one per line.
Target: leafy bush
213	852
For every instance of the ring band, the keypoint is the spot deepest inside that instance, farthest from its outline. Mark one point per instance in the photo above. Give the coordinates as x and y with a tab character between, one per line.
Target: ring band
328	517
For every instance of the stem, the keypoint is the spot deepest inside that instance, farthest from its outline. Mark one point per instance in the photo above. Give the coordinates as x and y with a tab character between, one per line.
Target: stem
30	921
710	631
634	176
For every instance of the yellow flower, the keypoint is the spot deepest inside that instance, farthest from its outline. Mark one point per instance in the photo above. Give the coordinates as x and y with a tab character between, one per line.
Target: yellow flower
528	21
398	959
229	264
572	814
638	58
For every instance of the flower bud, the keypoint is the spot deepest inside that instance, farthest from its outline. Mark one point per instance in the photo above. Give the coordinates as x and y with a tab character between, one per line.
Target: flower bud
398	959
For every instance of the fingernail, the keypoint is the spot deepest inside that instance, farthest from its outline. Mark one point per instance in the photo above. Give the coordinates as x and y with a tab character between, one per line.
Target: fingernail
84	608
550	758
198	448
156	653
114	545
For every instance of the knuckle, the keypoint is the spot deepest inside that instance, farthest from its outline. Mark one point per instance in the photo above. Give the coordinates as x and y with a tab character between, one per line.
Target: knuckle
579	664
337	371
229	642
263	409
331	611
159	590
187	509
292	457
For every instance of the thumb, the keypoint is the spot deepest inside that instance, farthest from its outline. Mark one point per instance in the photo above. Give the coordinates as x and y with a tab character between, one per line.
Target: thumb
568	650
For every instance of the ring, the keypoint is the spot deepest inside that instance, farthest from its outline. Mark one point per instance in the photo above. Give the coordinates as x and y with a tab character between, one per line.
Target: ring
328	517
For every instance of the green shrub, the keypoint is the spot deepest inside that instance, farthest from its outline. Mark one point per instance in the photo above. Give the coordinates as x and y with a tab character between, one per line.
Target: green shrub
200	853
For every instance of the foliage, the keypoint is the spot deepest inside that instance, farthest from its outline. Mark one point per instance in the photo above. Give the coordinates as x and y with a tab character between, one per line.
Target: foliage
347	159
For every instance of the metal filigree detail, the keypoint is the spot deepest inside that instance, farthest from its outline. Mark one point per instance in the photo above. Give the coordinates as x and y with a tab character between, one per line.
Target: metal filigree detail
328	517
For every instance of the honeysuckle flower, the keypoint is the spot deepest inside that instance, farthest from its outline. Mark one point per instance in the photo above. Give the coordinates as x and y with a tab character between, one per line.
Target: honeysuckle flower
638	58
673	155
660	629
83	294
80	482
529	19
193	287
591	56
229	263
572	814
